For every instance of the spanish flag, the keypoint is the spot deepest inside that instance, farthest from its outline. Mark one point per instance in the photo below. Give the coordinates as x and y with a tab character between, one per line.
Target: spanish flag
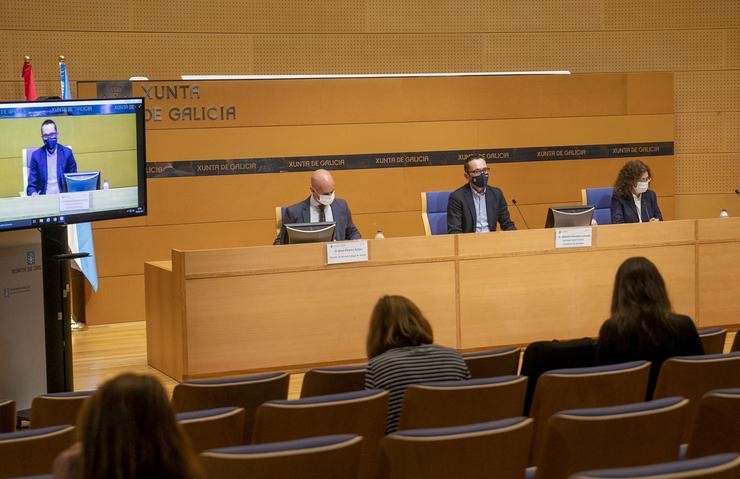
28	82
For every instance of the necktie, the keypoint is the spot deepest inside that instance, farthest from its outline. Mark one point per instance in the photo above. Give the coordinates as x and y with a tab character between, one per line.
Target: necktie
322	213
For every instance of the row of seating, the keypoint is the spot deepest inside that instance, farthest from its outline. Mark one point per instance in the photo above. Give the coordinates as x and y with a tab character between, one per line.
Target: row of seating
62	408
574	440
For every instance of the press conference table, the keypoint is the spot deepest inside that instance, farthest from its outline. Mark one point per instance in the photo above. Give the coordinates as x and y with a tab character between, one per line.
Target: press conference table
243	310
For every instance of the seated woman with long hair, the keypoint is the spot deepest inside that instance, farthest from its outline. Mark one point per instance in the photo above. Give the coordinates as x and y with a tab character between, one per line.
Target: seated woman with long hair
400	353
128	430
642	325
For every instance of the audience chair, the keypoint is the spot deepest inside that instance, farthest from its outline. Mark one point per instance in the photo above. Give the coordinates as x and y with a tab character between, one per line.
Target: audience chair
601	200
693	376
716	428
735	342
597	386
327	457
213	428
497	449
542	356
434	212
360	412
32	451
617	436
713	340
54	409
244	392
334	380
721	466
7	415
456	403
492	363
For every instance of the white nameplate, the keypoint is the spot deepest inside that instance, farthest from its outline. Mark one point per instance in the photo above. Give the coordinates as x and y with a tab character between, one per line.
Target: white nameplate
346	252
573	237
74	201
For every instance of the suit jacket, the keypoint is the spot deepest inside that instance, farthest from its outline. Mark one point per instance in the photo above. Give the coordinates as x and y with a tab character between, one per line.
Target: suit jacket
461	217
625	211
301	213
38	176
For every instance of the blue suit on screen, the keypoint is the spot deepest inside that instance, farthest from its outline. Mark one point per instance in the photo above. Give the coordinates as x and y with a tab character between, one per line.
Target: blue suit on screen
38	176
301	213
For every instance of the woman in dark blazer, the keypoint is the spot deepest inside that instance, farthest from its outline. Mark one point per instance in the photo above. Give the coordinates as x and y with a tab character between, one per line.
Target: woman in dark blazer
642	325
632	201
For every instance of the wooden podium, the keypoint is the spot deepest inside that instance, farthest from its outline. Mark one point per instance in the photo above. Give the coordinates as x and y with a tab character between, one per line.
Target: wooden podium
243	310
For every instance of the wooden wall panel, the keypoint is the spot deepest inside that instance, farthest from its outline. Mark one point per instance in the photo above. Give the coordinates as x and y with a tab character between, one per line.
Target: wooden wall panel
699	41
119	299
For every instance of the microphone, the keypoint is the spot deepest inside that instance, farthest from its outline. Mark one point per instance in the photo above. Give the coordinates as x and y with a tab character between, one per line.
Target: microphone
513	202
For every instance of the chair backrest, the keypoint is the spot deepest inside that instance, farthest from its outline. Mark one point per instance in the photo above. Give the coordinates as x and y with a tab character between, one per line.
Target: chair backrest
213	428
619	436
492	363
279	210
54	409
598	386
329	457
32	451
721	466
693	376
542	356
735	342
7	415
25	167
360	412
713	340
456	403
334	380
601	199
497	449
716	428
434	212
244	392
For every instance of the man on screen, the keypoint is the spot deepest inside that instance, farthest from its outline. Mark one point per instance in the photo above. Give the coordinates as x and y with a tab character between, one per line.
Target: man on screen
476	207
322	206
49	164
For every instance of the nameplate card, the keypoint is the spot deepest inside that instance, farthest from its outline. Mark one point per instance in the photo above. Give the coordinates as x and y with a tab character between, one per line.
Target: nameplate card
346	252
573	237
74	201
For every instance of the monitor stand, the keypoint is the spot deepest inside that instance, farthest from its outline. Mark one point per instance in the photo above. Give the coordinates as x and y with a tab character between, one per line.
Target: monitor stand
57	317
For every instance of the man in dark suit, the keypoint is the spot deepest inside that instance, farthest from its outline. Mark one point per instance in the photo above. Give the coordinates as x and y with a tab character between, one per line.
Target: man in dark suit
476	207
49	163
319	207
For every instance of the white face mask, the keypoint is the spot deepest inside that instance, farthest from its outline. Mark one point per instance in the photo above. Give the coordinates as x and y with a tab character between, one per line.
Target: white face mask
326	200
642	187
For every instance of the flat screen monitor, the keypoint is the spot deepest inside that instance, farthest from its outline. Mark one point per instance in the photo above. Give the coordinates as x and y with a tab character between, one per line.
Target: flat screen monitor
93	142
310	232
564	216
82	181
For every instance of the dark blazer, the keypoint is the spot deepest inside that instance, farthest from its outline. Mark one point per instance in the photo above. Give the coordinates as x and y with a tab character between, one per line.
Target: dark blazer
622	342
625	211
461	217
38	176
301	213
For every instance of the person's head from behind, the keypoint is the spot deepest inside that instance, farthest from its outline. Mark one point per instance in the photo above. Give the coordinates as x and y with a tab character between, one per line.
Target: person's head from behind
49	135
633	178
128	430
322	187
476	171
639	290
396	322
